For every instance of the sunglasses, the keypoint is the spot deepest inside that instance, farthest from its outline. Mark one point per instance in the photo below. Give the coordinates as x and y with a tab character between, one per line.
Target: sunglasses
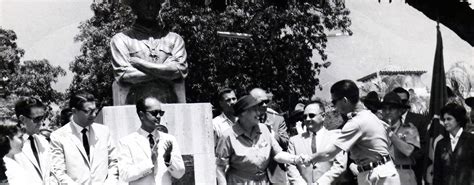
37	119
156	112
311	115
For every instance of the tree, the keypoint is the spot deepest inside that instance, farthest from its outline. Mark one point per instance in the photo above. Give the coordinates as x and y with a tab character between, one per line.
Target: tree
10	54
35	78
276	57
27	78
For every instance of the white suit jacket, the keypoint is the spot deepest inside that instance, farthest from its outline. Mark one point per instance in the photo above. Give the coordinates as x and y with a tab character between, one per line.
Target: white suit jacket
70	163
136	166
39	173
323	173
16	174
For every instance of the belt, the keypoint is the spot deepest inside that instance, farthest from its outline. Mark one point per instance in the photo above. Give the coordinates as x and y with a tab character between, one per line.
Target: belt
372	165
404	167
258	176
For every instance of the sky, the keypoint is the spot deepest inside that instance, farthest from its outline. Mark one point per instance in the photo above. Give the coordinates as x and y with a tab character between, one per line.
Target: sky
385	34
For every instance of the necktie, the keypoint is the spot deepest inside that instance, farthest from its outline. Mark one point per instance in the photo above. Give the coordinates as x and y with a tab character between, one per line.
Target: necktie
313	143
151	140
33	148
85	141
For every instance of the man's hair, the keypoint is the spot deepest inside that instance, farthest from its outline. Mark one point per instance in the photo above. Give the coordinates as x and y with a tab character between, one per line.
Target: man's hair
318	102
346	88
401	90
77	100
219	96
140	103
25	104
457	111
223	91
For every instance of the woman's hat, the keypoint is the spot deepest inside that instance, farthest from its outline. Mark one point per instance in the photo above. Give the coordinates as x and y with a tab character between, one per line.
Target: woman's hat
392	99
244	103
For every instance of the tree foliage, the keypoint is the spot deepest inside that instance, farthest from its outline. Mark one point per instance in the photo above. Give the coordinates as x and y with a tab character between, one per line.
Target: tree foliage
25	78
10	54
93	68
277	56
35	78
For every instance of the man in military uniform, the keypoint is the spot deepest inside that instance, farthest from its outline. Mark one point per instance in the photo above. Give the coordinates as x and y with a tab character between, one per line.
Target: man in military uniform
404	138
277	126
364	136
421	122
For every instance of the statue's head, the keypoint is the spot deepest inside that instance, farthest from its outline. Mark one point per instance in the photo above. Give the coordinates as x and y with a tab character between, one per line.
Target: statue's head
147	9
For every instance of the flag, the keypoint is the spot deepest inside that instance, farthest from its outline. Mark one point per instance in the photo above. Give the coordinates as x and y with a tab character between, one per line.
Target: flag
438	99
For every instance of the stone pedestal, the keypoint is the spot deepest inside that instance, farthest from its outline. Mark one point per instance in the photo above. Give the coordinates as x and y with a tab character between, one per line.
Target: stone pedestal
191	124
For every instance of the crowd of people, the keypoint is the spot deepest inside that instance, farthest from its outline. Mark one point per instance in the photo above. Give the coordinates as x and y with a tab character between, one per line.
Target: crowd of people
82	152
378	142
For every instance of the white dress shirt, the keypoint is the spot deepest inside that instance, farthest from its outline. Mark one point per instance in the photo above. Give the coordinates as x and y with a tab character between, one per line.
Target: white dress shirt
79	128
454	139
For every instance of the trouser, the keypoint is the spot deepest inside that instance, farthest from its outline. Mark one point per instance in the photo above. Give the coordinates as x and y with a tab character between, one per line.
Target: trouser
384	174
407	176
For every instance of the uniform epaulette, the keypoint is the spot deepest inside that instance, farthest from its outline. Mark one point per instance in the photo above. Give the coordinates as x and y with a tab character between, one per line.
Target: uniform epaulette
350	115
273	113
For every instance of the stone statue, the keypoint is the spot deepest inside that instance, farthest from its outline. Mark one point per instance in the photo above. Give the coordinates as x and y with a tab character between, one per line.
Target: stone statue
147	58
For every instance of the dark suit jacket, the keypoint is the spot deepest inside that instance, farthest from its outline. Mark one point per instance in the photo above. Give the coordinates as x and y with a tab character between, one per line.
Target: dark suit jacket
454	167
277	172
421	122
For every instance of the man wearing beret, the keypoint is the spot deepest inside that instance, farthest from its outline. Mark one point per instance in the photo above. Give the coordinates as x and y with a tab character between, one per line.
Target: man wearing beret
404	138
247	147
421	122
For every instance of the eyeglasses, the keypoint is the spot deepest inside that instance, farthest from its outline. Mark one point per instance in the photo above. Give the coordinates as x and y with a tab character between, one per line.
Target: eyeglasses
91	111
155	113
334	101
311	115
37	119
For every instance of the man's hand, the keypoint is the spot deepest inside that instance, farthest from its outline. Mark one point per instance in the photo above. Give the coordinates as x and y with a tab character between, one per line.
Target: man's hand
303	160
134	61
306	160
168	149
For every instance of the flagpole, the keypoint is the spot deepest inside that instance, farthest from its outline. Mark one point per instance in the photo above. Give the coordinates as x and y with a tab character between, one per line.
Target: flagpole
438	98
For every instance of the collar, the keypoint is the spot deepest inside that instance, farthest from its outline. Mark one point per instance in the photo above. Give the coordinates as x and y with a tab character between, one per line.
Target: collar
458	134
358	108
404	116
227	118
144	133
240	131
78	127
310	133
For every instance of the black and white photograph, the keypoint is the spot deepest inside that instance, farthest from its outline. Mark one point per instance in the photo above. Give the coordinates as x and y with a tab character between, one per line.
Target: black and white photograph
238	92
